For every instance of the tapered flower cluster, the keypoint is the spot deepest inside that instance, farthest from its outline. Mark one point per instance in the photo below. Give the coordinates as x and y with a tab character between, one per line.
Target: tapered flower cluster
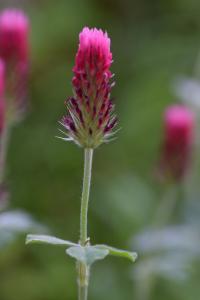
90	120
14	35
14	50
2	96
178	140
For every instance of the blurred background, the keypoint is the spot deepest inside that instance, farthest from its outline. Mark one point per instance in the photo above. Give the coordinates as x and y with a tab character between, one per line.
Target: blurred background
153	43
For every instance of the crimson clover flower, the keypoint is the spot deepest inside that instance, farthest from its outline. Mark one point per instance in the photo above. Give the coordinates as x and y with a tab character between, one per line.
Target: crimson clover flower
178	140
90	120
14	50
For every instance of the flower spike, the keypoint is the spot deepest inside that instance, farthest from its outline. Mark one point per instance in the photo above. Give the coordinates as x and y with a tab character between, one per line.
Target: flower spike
90	120
14	28
178	140
14	50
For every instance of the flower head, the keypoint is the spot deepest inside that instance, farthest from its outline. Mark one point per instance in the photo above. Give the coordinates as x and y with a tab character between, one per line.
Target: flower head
2	103
178	139
14	50
14	27
90	120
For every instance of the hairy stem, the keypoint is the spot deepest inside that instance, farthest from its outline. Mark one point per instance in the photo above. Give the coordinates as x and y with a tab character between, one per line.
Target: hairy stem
85	195
83	270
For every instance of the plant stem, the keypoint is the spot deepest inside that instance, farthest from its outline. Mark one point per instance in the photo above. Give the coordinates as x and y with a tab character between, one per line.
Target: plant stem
3	151
166	206
85	195
83	293
83	280
83	270
162	217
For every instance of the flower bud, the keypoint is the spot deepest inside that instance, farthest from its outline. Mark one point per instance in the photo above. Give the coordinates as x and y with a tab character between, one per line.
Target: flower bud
91	120
178	140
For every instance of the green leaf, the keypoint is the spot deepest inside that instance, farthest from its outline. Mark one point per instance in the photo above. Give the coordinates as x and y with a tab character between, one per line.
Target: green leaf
47	239
118	252
87	254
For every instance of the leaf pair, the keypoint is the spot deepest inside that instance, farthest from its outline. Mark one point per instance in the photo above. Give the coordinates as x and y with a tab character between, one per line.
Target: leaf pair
88	254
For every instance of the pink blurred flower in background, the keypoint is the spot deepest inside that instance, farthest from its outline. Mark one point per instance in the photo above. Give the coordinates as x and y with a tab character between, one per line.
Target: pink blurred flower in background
14	66
91	120
2	96
14	50
178	140
14	27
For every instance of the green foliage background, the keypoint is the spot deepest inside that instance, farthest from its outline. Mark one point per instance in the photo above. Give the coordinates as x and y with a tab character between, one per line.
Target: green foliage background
152	43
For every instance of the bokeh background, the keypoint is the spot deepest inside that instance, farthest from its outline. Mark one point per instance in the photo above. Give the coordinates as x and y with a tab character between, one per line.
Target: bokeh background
153	42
